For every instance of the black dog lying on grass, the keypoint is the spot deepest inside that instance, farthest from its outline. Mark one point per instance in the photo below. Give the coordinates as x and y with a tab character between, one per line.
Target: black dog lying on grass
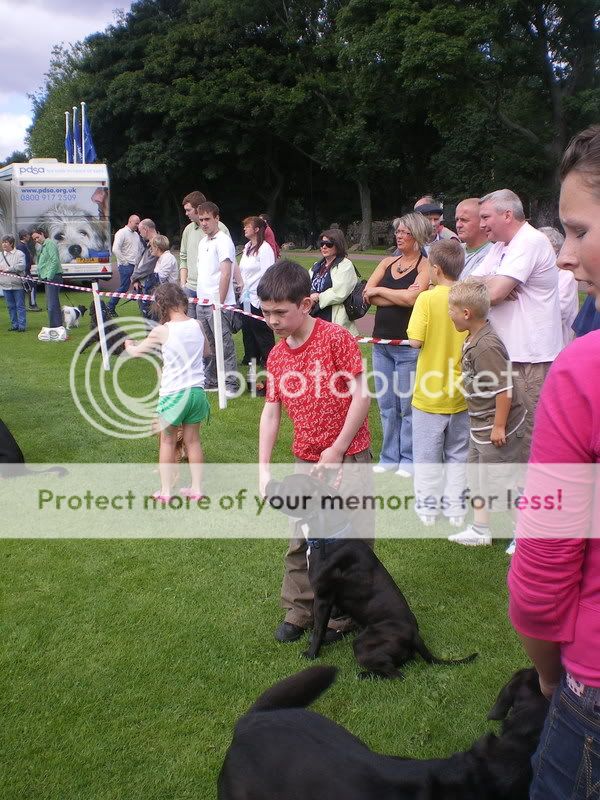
347	574
115	337
281	751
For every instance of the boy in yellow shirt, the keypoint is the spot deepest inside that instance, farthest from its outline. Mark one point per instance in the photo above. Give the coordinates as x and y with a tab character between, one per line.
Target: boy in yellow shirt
440	419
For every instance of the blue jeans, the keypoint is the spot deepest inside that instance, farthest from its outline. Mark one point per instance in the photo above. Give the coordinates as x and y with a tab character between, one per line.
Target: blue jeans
53	303
395	365
191	312
125	273
15	303
149	284
566	765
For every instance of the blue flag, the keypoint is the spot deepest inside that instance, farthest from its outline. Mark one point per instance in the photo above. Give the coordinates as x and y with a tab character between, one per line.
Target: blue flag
69	145
88	143
77	136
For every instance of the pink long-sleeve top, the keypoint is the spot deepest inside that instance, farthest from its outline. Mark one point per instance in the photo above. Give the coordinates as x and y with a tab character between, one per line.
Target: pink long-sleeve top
554	581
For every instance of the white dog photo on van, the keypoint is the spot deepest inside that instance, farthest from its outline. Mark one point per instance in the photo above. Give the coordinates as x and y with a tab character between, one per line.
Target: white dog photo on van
76	233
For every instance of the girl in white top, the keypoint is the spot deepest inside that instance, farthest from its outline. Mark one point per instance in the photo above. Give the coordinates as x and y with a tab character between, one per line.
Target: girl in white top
166	267
257	257
182	400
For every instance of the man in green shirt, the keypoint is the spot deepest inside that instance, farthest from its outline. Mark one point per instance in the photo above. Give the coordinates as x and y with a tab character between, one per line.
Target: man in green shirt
49	268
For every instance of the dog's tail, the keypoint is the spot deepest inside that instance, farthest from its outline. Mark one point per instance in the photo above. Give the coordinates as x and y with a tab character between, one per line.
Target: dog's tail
297	691
428	656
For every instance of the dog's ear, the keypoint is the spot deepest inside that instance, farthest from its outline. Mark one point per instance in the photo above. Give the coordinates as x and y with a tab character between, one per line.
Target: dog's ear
506	697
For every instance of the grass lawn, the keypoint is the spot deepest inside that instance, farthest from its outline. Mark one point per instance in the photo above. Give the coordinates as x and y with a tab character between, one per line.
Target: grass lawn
125	664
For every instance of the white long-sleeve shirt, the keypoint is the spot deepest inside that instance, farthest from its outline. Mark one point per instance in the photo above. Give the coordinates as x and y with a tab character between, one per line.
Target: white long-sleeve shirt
127	246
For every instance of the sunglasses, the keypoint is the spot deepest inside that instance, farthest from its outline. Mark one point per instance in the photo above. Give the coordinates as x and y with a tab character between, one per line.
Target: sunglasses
325	243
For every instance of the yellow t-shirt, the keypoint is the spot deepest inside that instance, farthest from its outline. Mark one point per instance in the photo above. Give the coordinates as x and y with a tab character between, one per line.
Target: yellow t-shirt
438	378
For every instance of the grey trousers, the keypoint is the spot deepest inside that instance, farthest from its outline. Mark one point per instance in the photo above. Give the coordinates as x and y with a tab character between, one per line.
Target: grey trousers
204	315
296	591
440	454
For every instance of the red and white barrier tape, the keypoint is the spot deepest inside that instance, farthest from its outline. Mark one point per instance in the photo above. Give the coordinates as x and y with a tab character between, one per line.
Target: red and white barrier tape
195	300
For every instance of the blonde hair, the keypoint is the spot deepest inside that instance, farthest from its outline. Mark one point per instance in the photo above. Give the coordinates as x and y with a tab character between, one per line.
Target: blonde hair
472	294
161	242
419	226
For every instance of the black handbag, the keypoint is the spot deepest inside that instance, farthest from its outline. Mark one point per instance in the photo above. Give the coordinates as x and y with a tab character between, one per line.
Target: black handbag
355	304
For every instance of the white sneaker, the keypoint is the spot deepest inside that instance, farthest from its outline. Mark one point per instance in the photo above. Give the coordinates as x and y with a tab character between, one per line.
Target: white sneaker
403	473
378	469
427	519
470	538
456	522
510	550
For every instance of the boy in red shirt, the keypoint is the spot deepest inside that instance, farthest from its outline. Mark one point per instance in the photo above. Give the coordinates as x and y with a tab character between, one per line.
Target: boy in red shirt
316	373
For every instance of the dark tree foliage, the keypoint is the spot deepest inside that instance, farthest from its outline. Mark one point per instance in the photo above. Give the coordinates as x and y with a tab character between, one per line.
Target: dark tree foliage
327	110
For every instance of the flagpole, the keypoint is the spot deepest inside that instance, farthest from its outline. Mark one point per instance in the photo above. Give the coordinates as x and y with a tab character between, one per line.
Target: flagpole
74	135
83	133
67	127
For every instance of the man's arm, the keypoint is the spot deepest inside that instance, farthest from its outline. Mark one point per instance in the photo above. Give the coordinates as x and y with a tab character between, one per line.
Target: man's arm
225	279
416	343
270	420
499	287
357	411
117	242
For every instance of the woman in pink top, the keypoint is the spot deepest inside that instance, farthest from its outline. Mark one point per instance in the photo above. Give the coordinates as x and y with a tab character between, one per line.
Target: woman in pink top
555	582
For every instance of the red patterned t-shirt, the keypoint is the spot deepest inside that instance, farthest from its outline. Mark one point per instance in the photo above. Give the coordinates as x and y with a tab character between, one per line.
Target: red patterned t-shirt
311	382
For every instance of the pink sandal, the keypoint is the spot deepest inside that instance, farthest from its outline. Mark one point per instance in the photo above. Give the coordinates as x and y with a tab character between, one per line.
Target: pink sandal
186	491
163	498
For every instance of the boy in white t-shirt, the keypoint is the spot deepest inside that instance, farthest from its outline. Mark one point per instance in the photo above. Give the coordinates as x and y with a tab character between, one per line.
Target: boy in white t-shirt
216	266
166	267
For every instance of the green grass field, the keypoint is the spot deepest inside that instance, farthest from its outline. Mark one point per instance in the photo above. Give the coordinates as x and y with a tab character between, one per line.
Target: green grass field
125	663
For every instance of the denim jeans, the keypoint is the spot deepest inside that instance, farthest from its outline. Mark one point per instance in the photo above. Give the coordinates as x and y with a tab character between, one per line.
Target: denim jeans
394	368
191	293
125	273
15	304
53	303
566	765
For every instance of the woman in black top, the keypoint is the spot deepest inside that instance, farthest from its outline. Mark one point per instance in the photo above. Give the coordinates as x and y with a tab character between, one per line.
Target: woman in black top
393	288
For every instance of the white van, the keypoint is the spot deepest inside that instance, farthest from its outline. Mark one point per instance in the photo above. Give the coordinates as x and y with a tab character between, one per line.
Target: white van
71	201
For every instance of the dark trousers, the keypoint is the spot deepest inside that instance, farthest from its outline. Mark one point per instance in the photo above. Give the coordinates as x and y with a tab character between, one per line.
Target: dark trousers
259	339
53	304
125	273
148	286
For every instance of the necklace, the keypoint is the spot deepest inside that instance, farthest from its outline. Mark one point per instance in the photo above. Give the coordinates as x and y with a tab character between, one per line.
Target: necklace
401	271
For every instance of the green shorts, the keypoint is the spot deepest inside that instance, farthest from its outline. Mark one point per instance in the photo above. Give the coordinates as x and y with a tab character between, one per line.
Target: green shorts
187	407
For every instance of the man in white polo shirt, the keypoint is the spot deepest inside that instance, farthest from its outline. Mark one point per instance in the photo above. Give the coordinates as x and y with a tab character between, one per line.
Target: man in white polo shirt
523	283
216	263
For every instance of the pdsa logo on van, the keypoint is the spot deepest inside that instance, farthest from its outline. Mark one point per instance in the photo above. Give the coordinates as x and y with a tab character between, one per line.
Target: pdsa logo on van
31	170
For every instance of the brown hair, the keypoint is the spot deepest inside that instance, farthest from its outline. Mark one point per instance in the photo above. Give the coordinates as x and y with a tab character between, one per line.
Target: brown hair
284	281
449	256
169	297
583	156
194	199
256	222
208	208
339	240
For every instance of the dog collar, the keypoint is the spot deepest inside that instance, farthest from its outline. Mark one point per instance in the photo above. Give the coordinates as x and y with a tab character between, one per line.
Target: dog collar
339	536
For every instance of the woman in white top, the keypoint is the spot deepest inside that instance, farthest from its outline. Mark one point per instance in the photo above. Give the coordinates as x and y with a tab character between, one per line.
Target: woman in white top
257	257
181	397
166	267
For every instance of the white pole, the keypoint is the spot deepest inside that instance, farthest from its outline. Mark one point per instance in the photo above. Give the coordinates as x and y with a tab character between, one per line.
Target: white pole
74	136
67	127
82	133
218	331
100	326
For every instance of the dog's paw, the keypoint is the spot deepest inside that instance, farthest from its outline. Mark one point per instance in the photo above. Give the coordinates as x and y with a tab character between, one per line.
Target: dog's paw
308	654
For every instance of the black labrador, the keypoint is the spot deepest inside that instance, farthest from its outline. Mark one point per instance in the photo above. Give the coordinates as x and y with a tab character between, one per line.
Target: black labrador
281	751
346	573
115	337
